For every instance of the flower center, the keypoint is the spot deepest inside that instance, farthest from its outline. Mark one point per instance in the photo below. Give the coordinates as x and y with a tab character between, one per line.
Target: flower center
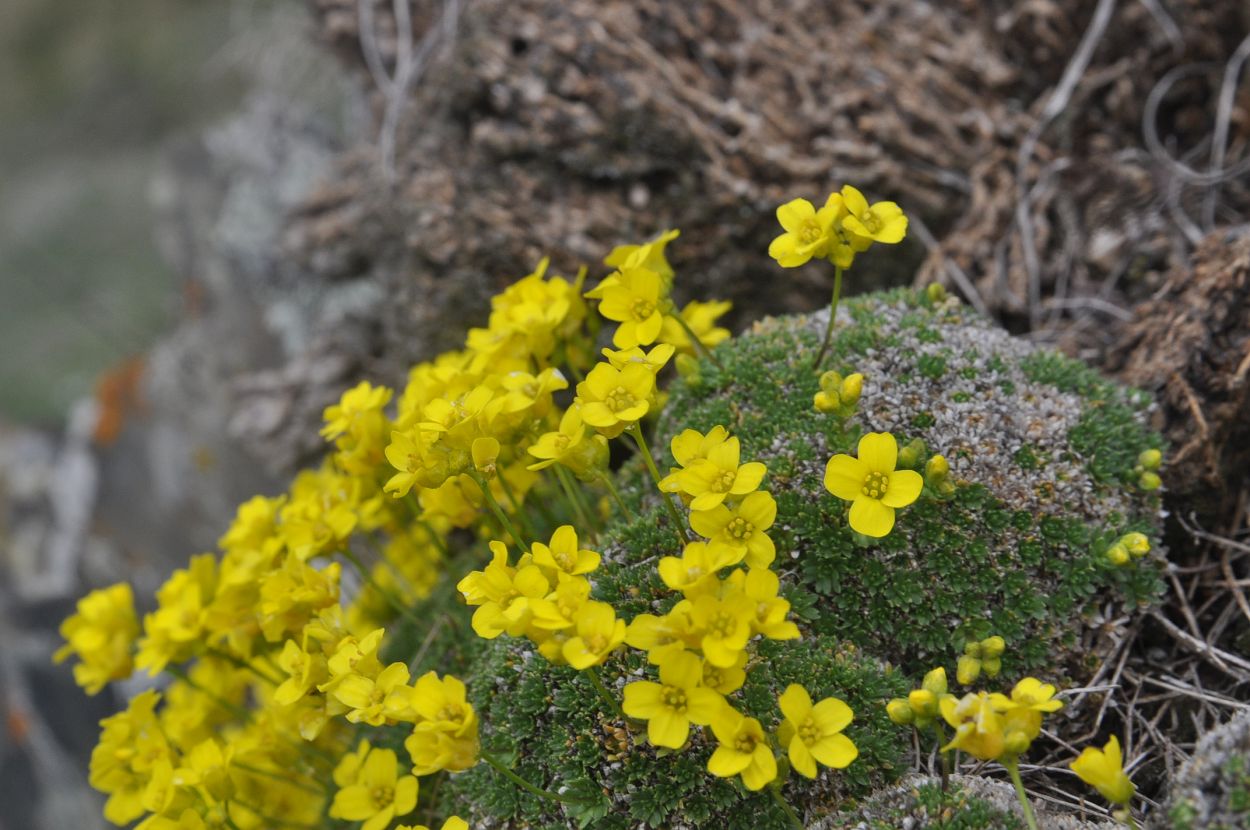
811	232
643	309
725	482
876	484
566	561
674	698
740	528
562	442
871	222
449	713
619	399
809	732
744	744
382	797
723	624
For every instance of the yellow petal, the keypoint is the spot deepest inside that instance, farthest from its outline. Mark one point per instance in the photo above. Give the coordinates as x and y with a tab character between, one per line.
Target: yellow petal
726	763
879	451
871	518
643	699
835	751
832	715
668	729
801	759
904	488
795	703
794	213
844	476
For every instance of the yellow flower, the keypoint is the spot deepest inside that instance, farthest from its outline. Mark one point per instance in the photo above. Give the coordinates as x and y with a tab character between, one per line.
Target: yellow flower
102	635
690	446
130	748
563	556
761	586
808	233
655	360
599	632
376	792
304	671
725	623
532	392
361	403
701	318
695	572
670	706
445	736
726	679
978	725
635	299
375	700
1103	769
880	222
872	485
649	255
570	446
614	399
712	479
813	733
1030	699
558	610
503	594
741	528
743	750
452	823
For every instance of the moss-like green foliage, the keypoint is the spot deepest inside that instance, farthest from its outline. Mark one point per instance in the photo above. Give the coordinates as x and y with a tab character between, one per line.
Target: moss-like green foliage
1040	450
1212	790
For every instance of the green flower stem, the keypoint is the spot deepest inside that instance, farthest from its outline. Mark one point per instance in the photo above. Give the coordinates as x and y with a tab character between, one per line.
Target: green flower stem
517	508
635	432
1013	769
833	316
235	709
240	664
616	495
299	785
945	756
377	545
575	503
774	790
522	783
597	682
435	539
694	338
498	511
391	600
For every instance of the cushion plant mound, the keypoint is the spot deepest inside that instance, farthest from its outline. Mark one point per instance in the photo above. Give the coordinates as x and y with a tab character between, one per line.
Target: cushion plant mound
1041	453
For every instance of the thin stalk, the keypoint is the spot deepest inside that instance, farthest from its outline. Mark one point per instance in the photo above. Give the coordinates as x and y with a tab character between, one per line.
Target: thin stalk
616	495
679	526
597	682
1013	769
522	783
774	790
308	788
391	600
570	495
235	709
833	316
484	486
240	664
517	509
435	539
375	543
694	338
946	761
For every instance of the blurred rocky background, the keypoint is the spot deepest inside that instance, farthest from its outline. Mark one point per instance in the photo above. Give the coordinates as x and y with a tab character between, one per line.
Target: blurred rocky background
214	216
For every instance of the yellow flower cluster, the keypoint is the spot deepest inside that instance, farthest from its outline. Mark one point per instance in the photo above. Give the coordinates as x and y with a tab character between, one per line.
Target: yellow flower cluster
845	226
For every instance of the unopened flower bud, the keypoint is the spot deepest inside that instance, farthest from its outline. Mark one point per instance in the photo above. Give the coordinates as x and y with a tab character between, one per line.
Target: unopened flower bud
935	682
993	646
910	455
991	666
826	401
1149	481
937	468
900	712
1137	543
967	670
1150	459
1118	555
851	388
935	291
923	702
1016	743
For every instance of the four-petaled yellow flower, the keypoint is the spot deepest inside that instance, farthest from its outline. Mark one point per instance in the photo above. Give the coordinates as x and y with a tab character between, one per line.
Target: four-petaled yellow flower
614	399
743	750
880	222
598	633
102	635
808	233
872	484
712	479
636	301
741	528
563	555
1103	769
373	791
678	700
813	733
503	593
978	726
